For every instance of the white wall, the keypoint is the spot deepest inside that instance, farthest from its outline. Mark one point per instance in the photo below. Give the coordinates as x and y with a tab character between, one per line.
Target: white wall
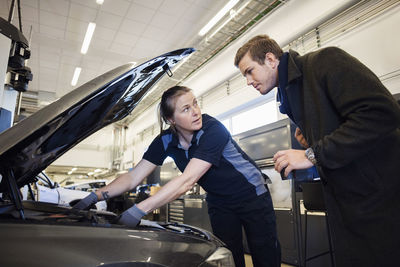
376	44
95	151
137	138
85	156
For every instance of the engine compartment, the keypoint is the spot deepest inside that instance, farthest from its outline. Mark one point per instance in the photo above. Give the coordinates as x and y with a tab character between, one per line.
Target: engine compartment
53	214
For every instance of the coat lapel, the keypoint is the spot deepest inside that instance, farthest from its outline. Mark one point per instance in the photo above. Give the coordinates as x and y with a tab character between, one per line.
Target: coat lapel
294	90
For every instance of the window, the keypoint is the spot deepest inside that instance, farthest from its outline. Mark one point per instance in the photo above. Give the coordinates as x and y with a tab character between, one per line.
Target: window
226	124
255	117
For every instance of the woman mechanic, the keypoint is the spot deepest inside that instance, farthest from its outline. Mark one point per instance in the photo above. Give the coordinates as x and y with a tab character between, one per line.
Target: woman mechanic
205	153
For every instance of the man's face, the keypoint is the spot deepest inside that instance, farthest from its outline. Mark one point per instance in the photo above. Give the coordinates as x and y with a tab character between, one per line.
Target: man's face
264	77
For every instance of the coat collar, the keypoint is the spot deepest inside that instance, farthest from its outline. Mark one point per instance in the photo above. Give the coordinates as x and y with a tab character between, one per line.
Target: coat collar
293	66
294	88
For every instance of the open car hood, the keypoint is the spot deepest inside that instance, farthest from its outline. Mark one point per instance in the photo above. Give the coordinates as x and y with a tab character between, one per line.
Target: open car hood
30	146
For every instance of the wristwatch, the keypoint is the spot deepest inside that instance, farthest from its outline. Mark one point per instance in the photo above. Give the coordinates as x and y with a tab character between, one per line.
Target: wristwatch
310	156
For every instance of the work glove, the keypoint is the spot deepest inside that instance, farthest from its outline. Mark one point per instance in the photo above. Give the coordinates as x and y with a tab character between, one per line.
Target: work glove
131	217
86	202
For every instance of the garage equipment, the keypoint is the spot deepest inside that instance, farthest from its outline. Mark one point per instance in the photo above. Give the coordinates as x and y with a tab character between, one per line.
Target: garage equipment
313	200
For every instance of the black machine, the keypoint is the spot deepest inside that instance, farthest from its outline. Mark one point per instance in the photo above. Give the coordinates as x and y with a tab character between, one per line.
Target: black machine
18	74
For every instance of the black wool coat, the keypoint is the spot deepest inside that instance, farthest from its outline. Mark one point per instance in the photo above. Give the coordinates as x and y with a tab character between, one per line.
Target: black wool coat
352	122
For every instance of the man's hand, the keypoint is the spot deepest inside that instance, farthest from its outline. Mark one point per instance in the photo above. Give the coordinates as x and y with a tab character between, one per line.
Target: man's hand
291	160
300	138
86	202
132	216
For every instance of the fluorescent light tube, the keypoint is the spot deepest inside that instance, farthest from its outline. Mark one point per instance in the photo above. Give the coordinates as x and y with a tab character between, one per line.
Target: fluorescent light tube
229	19
88	37
75	78
217	17
99	2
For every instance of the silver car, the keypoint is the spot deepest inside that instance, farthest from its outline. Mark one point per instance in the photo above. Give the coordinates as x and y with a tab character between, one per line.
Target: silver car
46	190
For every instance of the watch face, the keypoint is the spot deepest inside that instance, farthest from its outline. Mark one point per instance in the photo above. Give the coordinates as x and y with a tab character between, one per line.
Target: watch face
310	156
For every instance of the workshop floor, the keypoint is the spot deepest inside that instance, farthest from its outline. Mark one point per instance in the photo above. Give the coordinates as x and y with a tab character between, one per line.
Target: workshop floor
249	263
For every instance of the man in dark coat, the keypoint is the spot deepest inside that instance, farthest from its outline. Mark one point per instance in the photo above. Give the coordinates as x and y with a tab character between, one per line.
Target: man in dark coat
351	125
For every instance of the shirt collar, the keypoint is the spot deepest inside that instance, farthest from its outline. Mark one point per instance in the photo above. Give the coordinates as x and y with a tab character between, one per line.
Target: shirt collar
175	139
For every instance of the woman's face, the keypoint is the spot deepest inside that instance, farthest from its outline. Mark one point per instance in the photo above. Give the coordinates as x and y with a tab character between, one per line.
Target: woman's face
187	114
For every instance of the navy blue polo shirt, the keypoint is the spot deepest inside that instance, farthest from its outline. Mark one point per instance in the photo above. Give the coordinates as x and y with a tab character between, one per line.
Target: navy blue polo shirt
233	176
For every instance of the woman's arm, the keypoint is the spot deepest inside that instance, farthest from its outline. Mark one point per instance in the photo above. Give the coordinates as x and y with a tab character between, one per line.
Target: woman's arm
177	186
127	181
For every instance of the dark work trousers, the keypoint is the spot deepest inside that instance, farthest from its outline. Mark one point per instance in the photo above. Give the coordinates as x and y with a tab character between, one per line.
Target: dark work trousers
257	217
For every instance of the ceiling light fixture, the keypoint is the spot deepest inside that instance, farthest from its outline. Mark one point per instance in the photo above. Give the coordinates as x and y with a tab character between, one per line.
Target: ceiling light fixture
217	17
75	78
88	37
233	14
99	2
72	170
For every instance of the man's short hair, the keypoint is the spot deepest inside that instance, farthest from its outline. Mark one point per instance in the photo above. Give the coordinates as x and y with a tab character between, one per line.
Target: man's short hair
258	46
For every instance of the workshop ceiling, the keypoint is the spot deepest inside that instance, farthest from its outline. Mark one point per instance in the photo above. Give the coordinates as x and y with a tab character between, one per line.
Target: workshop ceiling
126	31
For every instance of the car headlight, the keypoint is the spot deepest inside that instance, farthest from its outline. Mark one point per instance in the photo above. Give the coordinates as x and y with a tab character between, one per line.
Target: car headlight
222	257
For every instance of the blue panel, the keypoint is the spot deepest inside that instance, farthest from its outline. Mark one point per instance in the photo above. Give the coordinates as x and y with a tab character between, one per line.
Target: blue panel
5	119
